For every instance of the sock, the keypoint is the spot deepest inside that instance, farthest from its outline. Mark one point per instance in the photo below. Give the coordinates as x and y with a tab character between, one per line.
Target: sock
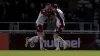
41	42
31	39
36	39
61	40
56	42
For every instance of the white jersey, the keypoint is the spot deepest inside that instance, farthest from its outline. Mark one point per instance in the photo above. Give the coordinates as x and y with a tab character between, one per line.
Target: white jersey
61	14
60	18
41	18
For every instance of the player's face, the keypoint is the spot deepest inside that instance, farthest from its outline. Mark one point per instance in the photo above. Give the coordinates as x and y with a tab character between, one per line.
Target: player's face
53	9
47	7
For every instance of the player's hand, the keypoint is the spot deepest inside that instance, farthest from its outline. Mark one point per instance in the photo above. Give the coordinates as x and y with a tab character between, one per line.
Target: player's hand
62	27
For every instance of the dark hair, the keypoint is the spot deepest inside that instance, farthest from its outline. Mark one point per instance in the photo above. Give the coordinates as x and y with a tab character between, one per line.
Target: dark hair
55	6
47	4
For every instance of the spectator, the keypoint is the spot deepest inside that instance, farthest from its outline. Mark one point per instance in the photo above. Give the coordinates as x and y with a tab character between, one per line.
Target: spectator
89	13
32	12
22	10
80	13
9	10
97	8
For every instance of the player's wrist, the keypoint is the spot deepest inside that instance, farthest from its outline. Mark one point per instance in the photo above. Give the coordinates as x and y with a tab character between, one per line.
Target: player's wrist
62	26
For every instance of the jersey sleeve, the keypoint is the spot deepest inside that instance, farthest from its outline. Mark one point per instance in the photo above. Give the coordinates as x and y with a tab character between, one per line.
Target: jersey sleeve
61	17
44	12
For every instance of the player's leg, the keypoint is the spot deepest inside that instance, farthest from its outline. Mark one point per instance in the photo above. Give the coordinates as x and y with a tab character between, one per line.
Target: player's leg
65	45
32	39
41	38
56	41
59	30
40	34
35	39
57	37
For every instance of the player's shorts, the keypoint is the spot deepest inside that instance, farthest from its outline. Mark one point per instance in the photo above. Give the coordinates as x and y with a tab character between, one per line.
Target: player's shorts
39	28
58	27
58	30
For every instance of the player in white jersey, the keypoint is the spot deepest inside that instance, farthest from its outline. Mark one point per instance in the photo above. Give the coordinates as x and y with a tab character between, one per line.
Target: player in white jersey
43	15
59	26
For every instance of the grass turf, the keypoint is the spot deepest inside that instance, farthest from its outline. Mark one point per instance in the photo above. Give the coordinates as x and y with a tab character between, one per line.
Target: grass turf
49	53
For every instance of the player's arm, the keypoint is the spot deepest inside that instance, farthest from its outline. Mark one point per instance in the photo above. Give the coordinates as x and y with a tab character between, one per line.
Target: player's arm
60	16
43	12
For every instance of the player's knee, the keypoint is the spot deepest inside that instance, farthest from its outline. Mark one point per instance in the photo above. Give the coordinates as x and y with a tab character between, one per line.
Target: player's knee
40	34
55	35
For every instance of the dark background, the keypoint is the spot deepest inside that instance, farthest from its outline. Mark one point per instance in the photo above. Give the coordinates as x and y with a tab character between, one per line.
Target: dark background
28	10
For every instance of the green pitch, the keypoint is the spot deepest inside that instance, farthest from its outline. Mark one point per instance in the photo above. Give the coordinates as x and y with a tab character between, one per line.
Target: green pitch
50	53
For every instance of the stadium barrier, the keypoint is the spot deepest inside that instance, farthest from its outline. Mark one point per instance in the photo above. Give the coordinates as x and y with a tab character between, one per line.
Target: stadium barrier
70	25
51	31
4	41
77	40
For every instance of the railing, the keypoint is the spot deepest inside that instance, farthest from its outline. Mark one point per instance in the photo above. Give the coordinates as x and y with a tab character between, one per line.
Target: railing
16	26
81	24
51	31
45	22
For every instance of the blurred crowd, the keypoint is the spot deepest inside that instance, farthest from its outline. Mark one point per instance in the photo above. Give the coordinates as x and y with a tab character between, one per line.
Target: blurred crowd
28	10
19	10
97	10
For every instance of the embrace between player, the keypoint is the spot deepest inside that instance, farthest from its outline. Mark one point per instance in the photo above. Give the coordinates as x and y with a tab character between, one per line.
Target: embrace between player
49	12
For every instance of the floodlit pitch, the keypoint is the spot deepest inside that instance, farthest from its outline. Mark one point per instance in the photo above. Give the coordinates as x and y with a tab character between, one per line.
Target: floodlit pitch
50	53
